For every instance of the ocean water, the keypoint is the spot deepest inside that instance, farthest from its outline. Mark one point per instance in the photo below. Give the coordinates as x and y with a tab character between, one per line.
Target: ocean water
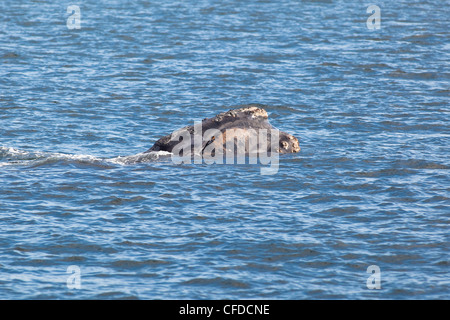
84	216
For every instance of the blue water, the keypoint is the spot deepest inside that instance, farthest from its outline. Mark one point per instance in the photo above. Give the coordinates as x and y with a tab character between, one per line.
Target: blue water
369	187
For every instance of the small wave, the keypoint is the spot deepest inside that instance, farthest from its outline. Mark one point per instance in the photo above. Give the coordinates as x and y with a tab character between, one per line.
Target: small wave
422	164
140	157
418	75
12	156
218	281
15	157
10	55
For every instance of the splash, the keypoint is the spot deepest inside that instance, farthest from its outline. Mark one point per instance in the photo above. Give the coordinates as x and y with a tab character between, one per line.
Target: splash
141	158
15	157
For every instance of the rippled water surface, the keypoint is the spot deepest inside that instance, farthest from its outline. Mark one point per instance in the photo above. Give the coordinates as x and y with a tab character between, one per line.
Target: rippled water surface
369	187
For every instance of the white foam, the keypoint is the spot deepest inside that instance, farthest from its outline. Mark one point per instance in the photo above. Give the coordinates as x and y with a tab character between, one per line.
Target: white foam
139	158
11	156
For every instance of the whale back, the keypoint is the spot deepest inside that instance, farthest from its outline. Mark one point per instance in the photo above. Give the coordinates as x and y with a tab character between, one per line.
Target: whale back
241	124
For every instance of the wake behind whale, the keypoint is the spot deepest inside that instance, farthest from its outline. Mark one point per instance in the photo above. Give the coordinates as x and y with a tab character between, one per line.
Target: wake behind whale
14	157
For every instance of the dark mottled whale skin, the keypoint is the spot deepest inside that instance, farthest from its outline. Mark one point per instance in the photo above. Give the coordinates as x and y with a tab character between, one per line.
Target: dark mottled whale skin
239	121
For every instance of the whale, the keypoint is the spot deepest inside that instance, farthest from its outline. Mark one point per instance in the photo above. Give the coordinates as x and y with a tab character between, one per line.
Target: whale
245	130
